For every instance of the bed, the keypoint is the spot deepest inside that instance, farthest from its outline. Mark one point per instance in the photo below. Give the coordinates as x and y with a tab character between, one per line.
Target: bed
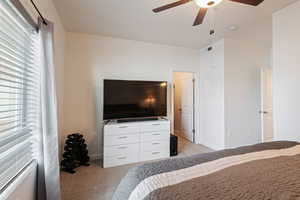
264	171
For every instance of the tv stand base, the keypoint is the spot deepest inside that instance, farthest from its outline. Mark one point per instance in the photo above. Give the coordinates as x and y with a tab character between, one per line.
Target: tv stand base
134	142
137	119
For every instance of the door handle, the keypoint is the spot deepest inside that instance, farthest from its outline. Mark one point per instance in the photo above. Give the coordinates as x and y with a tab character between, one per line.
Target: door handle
155	134
263	112
123	127
154	153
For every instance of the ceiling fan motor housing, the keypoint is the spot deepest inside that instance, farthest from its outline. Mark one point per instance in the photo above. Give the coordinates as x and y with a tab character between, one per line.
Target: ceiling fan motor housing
207	3
211	3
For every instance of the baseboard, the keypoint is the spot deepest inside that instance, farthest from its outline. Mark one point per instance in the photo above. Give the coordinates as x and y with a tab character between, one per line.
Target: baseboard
95	157
177	132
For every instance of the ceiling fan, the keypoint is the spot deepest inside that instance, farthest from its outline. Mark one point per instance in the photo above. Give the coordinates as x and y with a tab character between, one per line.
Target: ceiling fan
204	5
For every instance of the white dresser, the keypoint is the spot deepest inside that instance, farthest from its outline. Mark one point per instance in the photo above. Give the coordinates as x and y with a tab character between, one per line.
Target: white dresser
132	142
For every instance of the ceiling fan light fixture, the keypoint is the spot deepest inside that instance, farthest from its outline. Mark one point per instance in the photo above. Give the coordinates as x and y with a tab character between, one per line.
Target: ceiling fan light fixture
207	3
204	6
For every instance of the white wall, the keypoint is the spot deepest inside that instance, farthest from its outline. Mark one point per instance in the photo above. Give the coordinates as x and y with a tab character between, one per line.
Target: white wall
286	73
90	58
242	93
256	36
230	94
212	133
247	50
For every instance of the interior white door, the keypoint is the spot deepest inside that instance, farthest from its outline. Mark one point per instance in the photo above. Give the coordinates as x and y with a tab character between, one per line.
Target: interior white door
184	104
267	105
177	104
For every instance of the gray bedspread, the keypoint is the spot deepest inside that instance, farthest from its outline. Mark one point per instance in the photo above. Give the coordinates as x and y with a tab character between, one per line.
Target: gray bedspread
274	177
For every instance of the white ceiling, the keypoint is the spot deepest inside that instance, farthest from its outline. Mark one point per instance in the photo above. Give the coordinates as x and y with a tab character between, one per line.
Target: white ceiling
134	19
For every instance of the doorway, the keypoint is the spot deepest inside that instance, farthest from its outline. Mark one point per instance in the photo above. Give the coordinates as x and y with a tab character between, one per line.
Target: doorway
267	104
184	105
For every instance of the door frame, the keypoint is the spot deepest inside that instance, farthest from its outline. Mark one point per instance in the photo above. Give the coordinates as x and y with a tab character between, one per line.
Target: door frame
196	104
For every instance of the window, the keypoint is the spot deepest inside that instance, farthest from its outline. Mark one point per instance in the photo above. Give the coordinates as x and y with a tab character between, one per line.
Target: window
19	93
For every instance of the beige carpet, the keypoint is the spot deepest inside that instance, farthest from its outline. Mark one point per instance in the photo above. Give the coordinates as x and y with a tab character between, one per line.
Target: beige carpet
96	183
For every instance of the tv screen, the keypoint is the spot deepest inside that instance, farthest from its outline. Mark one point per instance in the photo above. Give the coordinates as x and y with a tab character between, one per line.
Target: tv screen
134	99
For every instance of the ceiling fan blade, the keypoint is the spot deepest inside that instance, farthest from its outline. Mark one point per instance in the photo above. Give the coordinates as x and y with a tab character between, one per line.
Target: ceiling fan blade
200	17
249	2
171	5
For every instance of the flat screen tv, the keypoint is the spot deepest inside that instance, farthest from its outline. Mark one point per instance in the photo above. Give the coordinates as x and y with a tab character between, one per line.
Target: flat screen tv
134	99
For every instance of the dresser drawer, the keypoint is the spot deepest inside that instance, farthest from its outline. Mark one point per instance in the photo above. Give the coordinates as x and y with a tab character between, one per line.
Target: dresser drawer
121	149
120	160
155	136
162	145
110	140
152	155
120	129
155	126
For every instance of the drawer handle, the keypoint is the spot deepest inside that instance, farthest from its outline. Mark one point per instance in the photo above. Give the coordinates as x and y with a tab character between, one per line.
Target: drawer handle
124	137
122	158
155	124
123	126
155	153
122	148
156	143
156	134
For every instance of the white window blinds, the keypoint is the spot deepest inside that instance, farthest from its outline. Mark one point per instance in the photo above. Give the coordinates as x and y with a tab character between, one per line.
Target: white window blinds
19	93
